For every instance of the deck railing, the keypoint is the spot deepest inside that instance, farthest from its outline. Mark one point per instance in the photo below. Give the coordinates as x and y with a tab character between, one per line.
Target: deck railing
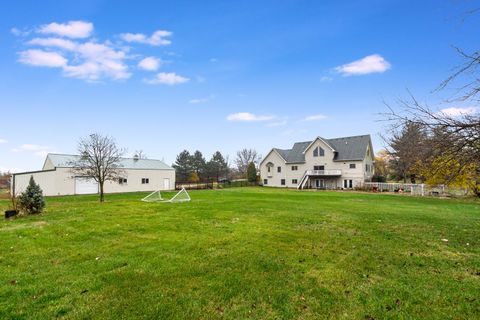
331	172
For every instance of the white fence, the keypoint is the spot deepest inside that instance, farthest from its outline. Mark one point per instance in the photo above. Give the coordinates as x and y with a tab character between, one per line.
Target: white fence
416	189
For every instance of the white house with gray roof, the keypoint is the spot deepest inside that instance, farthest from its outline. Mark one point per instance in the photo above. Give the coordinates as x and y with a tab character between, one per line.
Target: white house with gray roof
339	163
56	177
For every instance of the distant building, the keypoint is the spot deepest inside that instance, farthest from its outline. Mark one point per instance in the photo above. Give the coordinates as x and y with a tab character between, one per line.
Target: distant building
57	179
340	163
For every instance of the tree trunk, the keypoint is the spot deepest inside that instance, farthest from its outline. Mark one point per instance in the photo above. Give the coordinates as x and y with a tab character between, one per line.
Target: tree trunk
101	192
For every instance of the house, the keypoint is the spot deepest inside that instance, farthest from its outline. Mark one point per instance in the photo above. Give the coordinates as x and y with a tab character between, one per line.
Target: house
57	178
340	163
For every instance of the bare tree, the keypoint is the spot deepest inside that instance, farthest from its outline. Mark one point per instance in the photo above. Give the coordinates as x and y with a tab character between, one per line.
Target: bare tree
450	137
100	159
244	157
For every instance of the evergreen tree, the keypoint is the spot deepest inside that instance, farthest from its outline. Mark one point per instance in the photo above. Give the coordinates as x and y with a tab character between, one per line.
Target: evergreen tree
198	164
31	200
183	166
252	172
217	166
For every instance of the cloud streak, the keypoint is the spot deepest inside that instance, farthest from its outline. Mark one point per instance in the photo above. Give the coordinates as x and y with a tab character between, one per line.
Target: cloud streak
71	29
457	112
370	64
169	79
247	117
315	117
156	39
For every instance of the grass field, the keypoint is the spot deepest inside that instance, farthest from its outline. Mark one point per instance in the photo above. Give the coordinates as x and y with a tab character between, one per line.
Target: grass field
242	253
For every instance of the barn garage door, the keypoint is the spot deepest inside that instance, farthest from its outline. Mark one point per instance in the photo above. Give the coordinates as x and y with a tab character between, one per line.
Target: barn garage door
85	185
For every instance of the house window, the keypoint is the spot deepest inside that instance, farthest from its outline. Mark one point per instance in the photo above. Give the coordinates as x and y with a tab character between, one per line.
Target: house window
294	168
347	184
294	181
145	180
367	168
122	180
318	152
282	182
318	167
279	169
353	165
268	169
265	181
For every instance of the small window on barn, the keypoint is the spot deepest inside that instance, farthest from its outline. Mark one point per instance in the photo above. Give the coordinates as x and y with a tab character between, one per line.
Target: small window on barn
279	169
282	182
145	180
353	165
294	168
265	181
294	181
122	180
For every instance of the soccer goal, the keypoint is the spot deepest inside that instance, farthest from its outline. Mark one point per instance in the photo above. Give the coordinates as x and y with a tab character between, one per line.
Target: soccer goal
180	196
154	196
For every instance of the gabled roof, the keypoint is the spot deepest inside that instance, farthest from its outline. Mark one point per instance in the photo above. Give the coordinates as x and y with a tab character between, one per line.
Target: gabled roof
346	149
65	161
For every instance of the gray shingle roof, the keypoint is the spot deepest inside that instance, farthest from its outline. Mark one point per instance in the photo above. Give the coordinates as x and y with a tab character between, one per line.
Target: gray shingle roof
65	160
346	148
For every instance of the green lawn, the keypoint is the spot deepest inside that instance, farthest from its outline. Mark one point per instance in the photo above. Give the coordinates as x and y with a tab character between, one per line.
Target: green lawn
241	253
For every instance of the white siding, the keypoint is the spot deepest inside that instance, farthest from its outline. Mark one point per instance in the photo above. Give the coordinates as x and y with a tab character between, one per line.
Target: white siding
61	181
357	175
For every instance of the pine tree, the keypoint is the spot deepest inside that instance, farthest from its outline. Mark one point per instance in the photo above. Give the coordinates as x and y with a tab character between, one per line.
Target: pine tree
251	172
31	200
183	166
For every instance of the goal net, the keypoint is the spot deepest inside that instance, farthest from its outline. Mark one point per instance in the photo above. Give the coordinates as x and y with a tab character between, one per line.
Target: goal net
154	196
181	196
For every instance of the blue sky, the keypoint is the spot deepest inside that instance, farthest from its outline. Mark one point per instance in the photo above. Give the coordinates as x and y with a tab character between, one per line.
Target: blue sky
163	76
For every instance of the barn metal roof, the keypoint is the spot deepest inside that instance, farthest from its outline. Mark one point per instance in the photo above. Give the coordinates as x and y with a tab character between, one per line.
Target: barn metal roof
66	160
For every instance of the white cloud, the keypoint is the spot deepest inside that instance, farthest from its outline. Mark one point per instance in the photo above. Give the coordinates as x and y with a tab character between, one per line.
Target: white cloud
2	141
277	124
170	79
156	39
456	112
42	58
54	42
71	29
94	61
370	64
213	60
315	117
247	117
150	64
99	60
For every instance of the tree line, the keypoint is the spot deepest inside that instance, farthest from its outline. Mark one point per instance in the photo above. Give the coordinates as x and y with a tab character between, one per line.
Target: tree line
193	167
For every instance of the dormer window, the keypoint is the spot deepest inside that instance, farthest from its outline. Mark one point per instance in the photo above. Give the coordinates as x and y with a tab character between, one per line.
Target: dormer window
318	152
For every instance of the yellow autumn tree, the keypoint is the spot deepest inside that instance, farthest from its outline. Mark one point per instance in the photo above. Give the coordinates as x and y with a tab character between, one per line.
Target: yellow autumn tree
449	171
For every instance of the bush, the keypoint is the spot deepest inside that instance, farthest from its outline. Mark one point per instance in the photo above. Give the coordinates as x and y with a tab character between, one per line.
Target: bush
31	200
379	179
